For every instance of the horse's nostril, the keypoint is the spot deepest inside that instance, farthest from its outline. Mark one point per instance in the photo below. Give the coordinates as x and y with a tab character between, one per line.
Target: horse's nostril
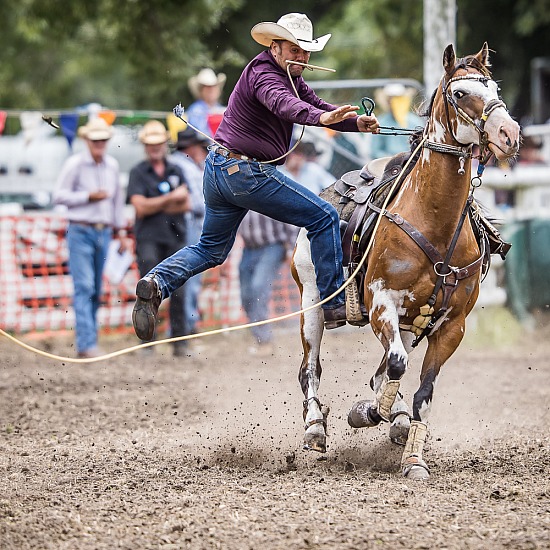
509	142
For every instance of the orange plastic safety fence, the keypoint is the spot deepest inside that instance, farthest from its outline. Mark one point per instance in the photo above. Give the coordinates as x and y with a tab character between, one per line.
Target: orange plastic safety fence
37	286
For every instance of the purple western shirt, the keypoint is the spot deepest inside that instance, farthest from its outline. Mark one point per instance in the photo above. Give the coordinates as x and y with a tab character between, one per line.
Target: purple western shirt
263	108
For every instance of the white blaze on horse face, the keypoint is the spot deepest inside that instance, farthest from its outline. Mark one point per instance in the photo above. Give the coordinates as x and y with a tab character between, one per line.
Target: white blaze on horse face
391	303
486	91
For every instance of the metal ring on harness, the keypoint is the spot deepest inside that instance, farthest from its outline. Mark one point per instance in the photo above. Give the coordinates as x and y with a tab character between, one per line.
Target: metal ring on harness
476	182
451	270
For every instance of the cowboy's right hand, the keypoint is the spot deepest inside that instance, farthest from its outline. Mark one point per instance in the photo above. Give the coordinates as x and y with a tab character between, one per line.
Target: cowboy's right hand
341	113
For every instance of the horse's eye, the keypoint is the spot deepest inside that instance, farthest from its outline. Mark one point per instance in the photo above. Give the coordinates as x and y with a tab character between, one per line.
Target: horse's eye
458	94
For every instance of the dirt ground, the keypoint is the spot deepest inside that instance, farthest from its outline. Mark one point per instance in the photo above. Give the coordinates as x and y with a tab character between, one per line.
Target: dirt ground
149	451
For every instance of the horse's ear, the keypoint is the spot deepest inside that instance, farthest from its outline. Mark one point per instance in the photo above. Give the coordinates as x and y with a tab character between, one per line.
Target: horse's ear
449	58
483	55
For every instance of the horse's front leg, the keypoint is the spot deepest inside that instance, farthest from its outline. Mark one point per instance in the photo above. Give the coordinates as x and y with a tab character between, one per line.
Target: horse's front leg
364	414
311	330
441	345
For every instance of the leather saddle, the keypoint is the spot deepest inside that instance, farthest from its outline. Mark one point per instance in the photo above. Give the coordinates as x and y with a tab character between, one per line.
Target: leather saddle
363	188
356	191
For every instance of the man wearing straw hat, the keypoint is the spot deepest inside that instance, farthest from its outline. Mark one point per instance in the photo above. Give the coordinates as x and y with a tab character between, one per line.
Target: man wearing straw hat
206	111
240	173
89	187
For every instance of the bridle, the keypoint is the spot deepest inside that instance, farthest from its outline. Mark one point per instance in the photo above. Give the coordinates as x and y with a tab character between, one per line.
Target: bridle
464	152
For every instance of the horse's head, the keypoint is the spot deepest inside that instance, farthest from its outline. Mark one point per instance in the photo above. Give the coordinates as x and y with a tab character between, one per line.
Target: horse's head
474	111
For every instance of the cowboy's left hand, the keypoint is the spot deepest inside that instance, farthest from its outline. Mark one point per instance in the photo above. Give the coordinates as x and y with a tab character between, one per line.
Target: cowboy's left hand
367	123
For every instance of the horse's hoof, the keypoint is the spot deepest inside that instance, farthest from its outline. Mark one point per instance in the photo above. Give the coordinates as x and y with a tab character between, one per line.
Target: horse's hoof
416	473
399	429
363	415
415	469
315	439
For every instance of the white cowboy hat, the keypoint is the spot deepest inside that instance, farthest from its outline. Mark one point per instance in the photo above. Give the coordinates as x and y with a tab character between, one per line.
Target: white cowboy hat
153	133
96	130
294	27
206	77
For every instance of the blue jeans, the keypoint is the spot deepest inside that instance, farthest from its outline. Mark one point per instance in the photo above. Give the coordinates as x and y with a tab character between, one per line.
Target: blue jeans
87	252
258	270
194	284
231	188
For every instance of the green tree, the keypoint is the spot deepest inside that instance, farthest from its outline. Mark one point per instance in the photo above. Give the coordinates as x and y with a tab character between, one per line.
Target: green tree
517	31
139	55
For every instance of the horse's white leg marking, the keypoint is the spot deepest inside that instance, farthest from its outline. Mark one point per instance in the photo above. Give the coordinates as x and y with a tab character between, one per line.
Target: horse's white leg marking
400	412
312	333
389	305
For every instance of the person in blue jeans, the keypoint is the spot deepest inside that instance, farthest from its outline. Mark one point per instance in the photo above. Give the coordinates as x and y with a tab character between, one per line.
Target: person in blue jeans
241	175
266	246
89	189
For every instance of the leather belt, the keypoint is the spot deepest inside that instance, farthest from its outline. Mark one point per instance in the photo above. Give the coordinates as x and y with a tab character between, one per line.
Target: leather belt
97	226
229	154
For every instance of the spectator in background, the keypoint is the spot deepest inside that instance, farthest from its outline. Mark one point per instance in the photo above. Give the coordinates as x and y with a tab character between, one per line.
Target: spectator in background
301	166
399	115
206	111
190	155
157	190
266	245
530	153
89	187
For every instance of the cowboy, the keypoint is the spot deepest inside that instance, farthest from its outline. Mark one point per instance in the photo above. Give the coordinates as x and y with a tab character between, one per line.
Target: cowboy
240	173
206	111
190	154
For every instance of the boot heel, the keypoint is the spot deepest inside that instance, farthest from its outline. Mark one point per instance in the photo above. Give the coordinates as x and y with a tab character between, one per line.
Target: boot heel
145	289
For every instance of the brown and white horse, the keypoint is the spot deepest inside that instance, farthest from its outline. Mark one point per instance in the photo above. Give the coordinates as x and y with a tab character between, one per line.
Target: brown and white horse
401	275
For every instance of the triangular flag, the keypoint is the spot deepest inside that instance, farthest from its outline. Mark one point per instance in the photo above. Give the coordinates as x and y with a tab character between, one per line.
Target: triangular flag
214	121
3	117
108	116
175	125
69	123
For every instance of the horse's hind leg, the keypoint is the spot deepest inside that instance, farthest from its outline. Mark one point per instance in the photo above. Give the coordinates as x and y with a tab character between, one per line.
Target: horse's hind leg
311	329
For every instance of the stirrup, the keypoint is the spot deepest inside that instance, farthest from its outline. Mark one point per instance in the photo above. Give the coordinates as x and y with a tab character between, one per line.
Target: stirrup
355	311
